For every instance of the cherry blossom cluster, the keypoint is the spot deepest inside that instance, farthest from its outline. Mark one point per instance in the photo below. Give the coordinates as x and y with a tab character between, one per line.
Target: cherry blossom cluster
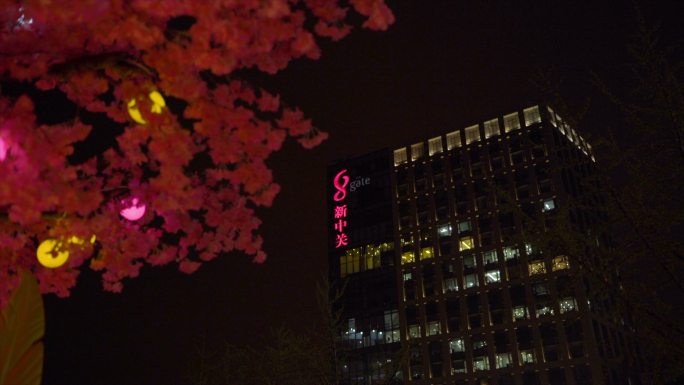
199	167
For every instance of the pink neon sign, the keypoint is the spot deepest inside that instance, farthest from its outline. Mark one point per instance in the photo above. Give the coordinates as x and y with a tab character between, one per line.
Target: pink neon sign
340	183
340	186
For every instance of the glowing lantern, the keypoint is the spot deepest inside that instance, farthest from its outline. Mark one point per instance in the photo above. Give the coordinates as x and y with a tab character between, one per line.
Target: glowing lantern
3	149
79	241
46	257
133	212
158	104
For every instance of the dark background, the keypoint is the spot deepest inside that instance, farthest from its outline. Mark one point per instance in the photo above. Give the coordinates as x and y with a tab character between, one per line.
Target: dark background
442	66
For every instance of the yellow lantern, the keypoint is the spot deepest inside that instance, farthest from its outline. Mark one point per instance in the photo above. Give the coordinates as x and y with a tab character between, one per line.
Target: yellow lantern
45	256
158	104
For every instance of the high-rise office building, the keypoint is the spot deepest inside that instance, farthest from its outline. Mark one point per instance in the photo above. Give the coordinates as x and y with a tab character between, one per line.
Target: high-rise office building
429	239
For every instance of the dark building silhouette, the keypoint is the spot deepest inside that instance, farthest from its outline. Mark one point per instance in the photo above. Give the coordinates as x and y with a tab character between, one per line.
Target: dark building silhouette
429	239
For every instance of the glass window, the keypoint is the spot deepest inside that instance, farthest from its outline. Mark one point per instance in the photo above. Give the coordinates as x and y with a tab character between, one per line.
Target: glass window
491	128
469	262
453	140
503	360
444	230
549	205
536	267
472	134
456	346
510	253
529	249
520	312
532	115
479	344
426	253
480	363
568	304
511	122
450	284
492	276
435	145
471	280
414	331
350	262
407	257
544	309
417	151
465	243
399	156
560	263
552	116
490	257
463	226
408	276
433	328
527	357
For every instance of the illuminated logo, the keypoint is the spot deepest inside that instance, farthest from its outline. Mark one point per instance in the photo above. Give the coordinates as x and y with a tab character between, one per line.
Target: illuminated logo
340	211
340	182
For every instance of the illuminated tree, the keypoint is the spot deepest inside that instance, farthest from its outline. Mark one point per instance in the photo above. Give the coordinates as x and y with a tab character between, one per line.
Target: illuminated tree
189	139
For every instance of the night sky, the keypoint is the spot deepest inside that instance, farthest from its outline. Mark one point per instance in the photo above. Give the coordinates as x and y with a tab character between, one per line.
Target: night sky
443	65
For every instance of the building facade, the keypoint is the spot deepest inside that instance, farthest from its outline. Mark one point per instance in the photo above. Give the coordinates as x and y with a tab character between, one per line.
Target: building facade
442	286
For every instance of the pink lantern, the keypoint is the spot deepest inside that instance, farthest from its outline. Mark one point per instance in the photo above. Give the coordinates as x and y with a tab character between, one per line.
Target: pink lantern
133	211
3	149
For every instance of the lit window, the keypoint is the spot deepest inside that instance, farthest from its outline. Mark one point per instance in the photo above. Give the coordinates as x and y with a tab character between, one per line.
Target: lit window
568	304
414	331
472	134
435	145
406	240
560	263
433	328
408	276
520	312
453	140
426	253
552	116
350	262
444	230
407	257
537	267
456	346
480	363
373	254
392	336
465	243
416	151
527	356
463	226
531	115
543	310
450	284
471	281
511	122
510	253
529	249
479	344
491	128
503	360
490	257
399	156
549	205
492	276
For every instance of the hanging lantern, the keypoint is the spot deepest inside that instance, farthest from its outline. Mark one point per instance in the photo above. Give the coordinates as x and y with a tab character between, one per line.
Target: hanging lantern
47	258
158	104
133	210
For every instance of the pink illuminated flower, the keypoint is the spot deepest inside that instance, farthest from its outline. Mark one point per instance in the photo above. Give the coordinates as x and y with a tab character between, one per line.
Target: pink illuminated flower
133	211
